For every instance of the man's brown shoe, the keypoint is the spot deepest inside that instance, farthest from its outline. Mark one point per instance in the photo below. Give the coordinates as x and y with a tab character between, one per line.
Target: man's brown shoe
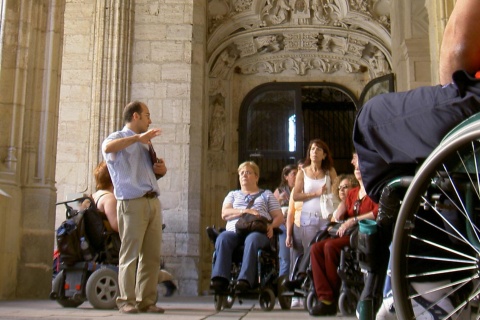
152	309
128	308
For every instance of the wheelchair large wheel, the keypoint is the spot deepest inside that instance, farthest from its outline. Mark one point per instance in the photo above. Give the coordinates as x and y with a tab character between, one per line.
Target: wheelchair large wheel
58	292
102	288
267	299
436	243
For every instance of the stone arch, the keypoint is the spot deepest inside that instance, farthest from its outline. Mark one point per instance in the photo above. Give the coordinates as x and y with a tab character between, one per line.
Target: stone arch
352	36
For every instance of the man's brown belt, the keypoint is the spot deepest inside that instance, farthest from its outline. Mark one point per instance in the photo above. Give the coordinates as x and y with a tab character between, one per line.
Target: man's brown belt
150	194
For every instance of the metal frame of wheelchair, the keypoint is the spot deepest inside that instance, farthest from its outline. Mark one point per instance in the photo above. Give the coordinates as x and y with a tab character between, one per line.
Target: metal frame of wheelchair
267	288
348	271
436	240
91	281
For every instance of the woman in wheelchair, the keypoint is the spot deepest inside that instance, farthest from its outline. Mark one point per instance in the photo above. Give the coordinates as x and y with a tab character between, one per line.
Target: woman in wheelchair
325	255
259	202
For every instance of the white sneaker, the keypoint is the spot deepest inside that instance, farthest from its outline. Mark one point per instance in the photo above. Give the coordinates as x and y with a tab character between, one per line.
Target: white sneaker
297	302
387	310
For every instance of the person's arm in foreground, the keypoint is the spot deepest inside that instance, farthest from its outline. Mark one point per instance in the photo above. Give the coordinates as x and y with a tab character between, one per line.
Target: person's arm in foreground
461	41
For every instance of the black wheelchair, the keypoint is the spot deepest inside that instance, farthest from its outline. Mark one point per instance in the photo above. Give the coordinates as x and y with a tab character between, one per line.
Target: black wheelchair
436	236
96	278
267	287
301	279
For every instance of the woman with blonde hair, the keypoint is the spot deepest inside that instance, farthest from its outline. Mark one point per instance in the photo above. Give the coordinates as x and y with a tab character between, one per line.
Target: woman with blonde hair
250	199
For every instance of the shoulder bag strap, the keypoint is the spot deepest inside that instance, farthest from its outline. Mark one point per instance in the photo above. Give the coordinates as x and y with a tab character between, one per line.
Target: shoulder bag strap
250	203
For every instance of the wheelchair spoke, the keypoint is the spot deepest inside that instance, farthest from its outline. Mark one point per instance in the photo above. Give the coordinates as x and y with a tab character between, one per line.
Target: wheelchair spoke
462	202
436	245
464	166
444	248
412	256
462	239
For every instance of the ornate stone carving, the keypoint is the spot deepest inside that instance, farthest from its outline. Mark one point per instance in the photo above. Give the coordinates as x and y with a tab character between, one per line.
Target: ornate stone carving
301	41
242	5
225	61
300	65
379	63
275	12
343	35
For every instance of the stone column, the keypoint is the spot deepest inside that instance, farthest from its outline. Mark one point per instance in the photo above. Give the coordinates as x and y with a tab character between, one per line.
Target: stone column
31	50
410	44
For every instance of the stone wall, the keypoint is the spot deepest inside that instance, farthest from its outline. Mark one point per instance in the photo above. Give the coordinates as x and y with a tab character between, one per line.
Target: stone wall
118	51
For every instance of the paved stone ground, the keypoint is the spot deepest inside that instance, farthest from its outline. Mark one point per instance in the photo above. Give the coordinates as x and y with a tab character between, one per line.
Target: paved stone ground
177	308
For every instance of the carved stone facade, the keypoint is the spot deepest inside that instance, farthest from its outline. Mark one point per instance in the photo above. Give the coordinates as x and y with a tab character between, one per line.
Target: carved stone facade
193	63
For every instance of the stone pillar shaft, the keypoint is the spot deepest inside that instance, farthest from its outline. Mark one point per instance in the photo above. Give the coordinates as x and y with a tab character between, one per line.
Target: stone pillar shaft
31	51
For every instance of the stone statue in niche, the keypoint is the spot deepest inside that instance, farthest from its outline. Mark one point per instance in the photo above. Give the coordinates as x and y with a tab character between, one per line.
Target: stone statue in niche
216	131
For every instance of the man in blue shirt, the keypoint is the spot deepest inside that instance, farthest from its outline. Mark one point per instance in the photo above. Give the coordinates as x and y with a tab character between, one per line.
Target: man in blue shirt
134	170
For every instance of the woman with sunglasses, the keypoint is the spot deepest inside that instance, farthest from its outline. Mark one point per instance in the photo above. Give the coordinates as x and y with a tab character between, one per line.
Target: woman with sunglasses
325	255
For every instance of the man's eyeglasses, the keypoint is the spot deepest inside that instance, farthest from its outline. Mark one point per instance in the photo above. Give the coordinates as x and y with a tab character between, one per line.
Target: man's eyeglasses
343	187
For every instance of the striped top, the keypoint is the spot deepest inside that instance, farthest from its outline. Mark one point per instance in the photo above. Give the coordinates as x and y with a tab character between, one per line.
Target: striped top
265	204
130	169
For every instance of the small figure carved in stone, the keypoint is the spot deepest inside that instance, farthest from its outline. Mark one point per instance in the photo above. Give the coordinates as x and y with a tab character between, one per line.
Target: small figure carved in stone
269	44
276	13
216	134
225	61
379	63
301	11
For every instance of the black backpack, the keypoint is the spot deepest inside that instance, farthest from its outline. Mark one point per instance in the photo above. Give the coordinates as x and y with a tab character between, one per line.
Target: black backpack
82	236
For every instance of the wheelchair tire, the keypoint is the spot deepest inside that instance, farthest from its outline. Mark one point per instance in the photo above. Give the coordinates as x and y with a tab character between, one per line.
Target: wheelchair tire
436	241
311	301
219	302
267	299
228	301
285	302
102	288
347	303
58	292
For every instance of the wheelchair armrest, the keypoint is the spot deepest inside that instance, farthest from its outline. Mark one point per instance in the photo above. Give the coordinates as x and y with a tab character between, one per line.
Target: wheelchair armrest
213	233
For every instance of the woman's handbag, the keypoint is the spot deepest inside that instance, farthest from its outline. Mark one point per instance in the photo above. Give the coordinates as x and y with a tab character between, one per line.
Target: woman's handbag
251	223
248	223
326	200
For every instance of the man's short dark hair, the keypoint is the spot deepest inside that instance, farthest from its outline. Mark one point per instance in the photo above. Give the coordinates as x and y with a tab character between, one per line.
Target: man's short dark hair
130	109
